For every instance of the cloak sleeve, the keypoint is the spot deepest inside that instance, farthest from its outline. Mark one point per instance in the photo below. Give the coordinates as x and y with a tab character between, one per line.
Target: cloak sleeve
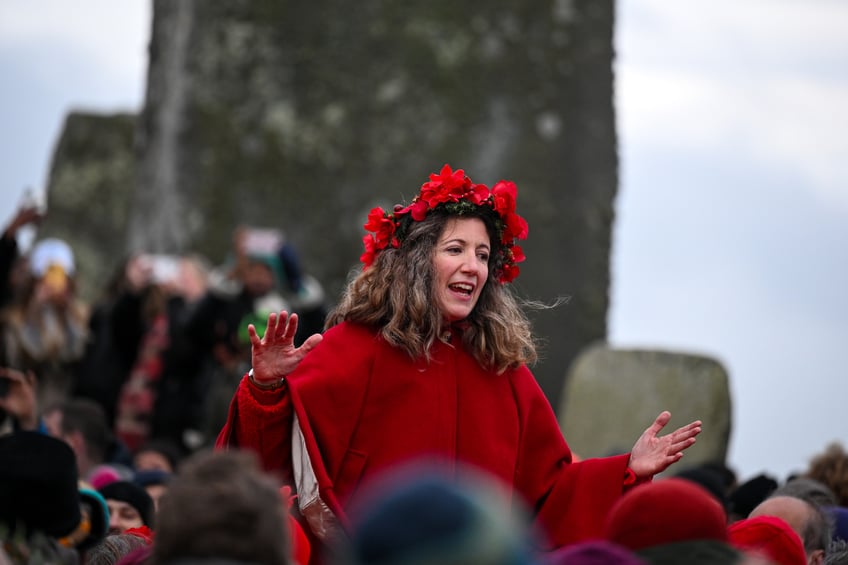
260	421
569	500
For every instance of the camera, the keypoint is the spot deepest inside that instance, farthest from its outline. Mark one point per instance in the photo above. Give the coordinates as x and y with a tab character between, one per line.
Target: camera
262	241
163	268
35	199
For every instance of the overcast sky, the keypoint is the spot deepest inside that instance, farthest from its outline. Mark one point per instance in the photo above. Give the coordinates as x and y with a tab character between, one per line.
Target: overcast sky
732	216
733	208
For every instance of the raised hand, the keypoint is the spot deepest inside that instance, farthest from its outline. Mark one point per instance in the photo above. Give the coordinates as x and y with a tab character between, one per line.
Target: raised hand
20	398
274	355
653	454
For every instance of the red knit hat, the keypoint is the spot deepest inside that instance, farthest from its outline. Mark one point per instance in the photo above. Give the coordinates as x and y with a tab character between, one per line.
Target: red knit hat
663	512
771	536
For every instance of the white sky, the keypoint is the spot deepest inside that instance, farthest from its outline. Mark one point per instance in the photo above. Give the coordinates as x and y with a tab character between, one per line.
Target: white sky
733	209
733	206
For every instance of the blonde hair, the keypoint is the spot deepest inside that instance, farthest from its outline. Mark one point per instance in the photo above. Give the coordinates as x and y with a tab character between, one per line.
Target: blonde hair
396	295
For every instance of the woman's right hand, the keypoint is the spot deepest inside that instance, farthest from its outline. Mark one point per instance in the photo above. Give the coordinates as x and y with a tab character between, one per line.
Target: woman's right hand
274	355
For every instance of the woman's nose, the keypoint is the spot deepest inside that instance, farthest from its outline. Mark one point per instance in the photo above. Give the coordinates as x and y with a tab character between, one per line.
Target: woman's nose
470	263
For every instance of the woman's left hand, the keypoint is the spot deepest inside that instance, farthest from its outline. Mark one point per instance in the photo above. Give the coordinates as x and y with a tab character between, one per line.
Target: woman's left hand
653	454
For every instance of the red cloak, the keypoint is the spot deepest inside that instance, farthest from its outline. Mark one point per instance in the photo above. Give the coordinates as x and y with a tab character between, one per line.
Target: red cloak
356	405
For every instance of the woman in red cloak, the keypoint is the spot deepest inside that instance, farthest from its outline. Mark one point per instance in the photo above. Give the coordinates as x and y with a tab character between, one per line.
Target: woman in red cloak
425	358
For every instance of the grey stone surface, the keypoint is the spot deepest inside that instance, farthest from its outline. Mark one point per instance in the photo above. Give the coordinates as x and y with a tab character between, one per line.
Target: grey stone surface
612	395
91	180
304	115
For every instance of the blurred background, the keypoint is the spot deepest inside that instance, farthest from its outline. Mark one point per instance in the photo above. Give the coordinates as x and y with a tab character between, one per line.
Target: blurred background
732	206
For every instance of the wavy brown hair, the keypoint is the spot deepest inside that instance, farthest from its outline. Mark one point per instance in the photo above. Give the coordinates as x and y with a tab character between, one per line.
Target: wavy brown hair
396	295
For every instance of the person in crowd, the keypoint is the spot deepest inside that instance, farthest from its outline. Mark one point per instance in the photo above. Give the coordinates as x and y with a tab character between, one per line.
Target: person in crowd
806	518
593	552
45	329
113	548
709	477
81	422
425	516
155	483
805	488
839	520
831	468
216	330
747	495
154	399
129	506
303	291
178	410
116	329
12	263
426	356
770	537
44	515
671	520
96	511
158	455
138	362
837	553
222	506
18	402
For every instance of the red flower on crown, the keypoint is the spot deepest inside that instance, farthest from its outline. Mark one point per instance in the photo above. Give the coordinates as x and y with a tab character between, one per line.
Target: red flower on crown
456	192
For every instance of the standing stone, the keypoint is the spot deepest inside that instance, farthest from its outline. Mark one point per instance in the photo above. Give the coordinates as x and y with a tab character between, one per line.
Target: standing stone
304	115
613	395
91	180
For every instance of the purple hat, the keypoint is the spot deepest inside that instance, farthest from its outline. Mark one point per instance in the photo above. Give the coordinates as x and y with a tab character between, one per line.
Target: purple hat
593	553
839	515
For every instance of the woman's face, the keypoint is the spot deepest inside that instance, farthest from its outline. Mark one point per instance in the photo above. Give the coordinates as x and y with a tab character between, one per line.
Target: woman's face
122	516
461	263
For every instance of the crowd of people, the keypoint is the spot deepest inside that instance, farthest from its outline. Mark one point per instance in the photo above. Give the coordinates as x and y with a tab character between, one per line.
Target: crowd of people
198	414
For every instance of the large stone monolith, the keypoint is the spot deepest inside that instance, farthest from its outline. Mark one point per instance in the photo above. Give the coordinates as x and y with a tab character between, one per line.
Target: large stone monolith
304	115
612	395
92	177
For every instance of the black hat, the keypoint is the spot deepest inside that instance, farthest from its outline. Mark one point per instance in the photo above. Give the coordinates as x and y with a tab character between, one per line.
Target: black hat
38	484
750	493
132	494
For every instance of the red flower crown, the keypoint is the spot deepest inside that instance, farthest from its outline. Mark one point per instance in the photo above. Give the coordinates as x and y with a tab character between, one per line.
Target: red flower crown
454	192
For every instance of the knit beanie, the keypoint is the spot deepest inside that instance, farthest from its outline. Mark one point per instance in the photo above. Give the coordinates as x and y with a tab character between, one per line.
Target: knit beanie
38	484
839	516
666	511
95	508
132	494
595	552
749	494
430	519
152	477
771	536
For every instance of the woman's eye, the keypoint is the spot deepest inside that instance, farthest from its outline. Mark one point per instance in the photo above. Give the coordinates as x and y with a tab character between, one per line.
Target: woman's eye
483	257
